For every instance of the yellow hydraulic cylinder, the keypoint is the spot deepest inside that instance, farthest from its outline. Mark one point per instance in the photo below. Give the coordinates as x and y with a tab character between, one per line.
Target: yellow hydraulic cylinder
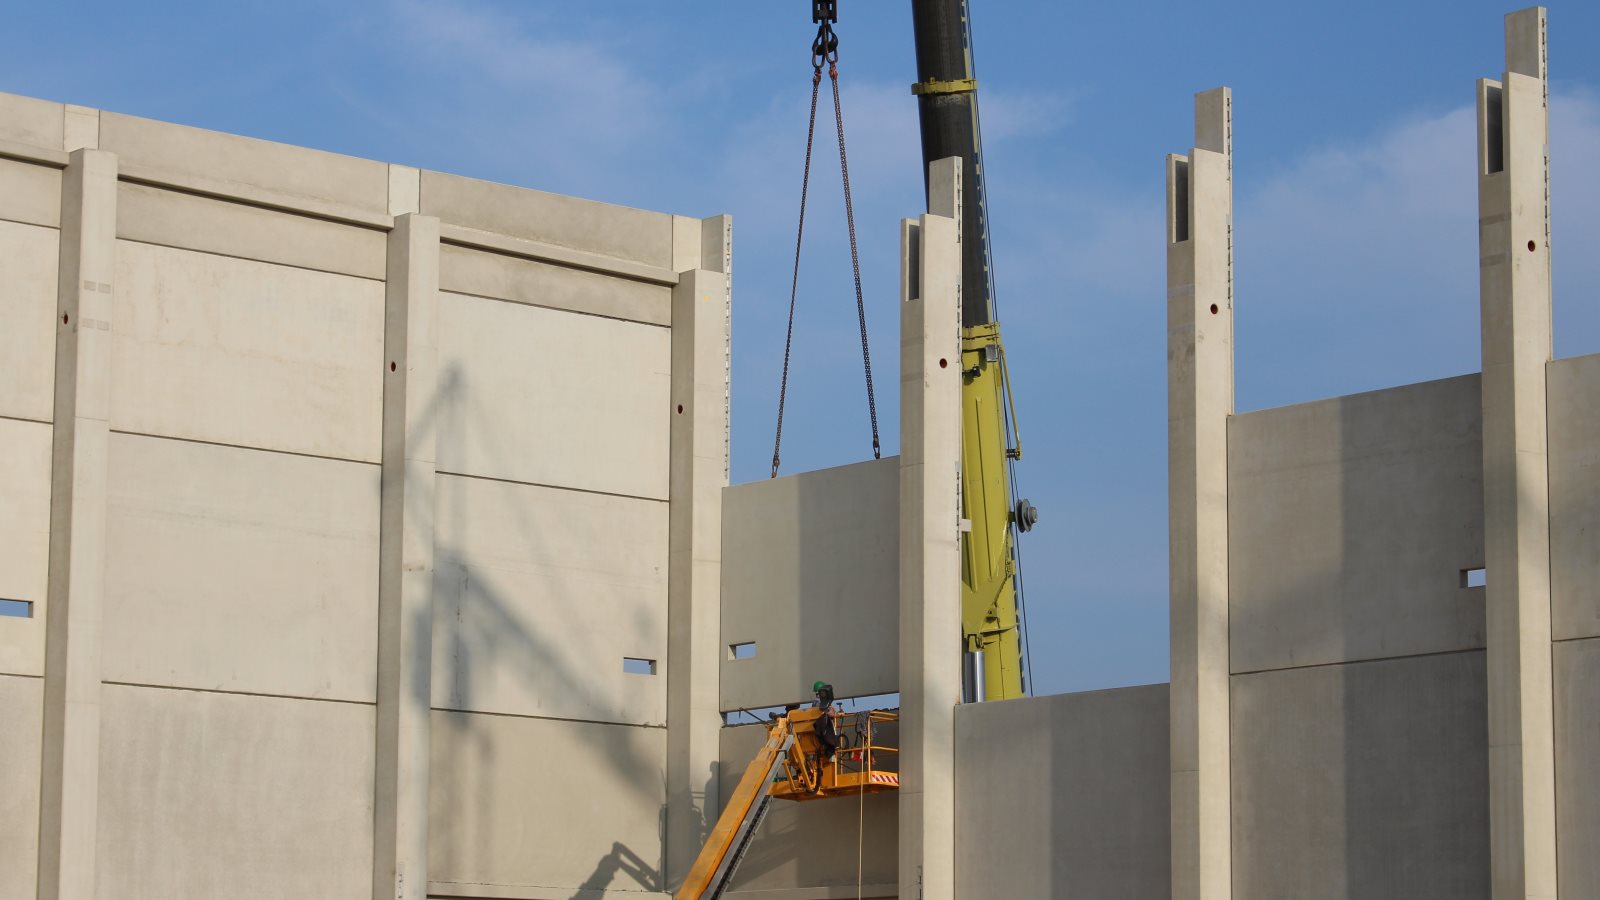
988	594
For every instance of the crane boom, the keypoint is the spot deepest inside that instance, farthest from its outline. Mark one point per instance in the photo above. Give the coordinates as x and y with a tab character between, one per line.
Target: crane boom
947	106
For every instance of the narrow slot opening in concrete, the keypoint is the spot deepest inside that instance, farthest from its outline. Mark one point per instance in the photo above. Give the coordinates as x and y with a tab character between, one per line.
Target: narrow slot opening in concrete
16	609
1474	578
1180	201
1494	136
746	650
634	665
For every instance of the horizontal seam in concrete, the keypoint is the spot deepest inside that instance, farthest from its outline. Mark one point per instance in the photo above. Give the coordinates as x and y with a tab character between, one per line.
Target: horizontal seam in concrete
19	675
354	219
556	255
1571	640
200	690
28	223
50	159
264	262
1369	659
189	440
509	715
553	487
25	419
565	309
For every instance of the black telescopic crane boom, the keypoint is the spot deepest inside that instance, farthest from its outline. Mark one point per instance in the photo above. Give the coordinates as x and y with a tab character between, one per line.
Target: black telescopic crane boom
947	106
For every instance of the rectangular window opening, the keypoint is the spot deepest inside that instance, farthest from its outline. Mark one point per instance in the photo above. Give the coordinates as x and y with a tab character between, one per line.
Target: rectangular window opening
1471	578
636	666
1494	137
745	650
16	609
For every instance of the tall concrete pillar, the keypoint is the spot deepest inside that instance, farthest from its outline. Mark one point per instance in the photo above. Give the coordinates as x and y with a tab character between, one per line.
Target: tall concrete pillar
1514	298
70	779
405	560
930	539
1199	402
698	473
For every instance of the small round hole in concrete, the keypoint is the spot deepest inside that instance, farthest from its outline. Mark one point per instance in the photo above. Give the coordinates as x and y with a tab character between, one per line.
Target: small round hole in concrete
1532	246
680	409
944	363
1213	309
64	318
391	367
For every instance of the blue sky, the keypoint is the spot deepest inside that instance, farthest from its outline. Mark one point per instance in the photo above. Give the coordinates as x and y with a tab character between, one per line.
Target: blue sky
1355	195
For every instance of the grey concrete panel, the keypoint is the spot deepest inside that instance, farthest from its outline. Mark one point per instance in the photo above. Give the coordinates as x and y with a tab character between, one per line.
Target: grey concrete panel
520	802
1064	796
1575	497
548	397
1350	521
207	795
30	121
24	542
467	271
246	353
540	593
240	570
812	844
1362	780
1577	724
299	171
810	574
173	219
29	193
22	710
27	320
618	231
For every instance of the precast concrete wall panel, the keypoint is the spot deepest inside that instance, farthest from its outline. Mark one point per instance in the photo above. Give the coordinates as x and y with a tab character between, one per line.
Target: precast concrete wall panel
27	319
1575	497
1064	796
616	231
501	276
239	352
206	795
149	149
152	215
810	576
21	711
24	542
1577	708
26	120
811	847
1362	780
541	396
1351	522
537	803
30	194
240	570
540	593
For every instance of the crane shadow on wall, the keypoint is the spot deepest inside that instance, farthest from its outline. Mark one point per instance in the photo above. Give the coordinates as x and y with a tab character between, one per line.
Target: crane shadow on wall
515	761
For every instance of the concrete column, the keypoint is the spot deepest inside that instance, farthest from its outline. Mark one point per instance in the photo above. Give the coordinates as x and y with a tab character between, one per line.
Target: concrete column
405	559
1514	296
70	779
1199	402
930	540
699	472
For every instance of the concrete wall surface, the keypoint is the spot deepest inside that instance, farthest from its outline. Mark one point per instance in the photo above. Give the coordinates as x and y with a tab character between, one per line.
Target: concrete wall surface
1362	780
1575	497
1350	522
810	575
335	482
1064	796
1577	696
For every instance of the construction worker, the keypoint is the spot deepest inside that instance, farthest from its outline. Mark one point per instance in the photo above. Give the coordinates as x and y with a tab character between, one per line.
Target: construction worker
824	728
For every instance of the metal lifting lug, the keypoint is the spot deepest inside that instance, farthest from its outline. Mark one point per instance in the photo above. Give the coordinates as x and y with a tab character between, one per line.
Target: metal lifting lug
824	10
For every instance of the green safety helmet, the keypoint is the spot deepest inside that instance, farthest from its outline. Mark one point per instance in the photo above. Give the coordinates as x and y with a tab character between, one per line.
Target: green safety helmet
819	685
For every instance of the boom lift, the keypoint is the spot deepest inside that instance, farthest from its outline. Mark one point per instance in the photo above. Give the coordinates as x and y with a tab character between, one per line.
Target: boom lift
795	764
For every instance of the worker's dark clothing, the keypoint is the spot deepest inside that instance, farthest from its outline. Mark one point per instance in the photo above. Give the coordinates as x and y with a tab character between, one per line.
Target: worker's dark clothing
827	735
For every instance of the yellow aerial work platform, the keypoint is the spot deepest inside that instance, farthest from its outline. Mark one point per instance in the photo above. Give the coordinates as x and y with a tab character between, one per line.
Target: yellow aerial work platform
795	764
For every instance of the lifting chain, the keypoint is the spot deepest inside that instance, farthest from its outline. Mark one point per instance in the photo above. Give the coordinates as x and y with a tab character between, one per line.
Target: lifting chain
825	49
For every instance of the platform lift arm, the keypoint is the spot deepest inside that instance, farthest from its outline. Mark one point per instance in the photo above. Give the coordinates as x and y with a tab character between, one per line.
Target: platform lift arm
714	868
